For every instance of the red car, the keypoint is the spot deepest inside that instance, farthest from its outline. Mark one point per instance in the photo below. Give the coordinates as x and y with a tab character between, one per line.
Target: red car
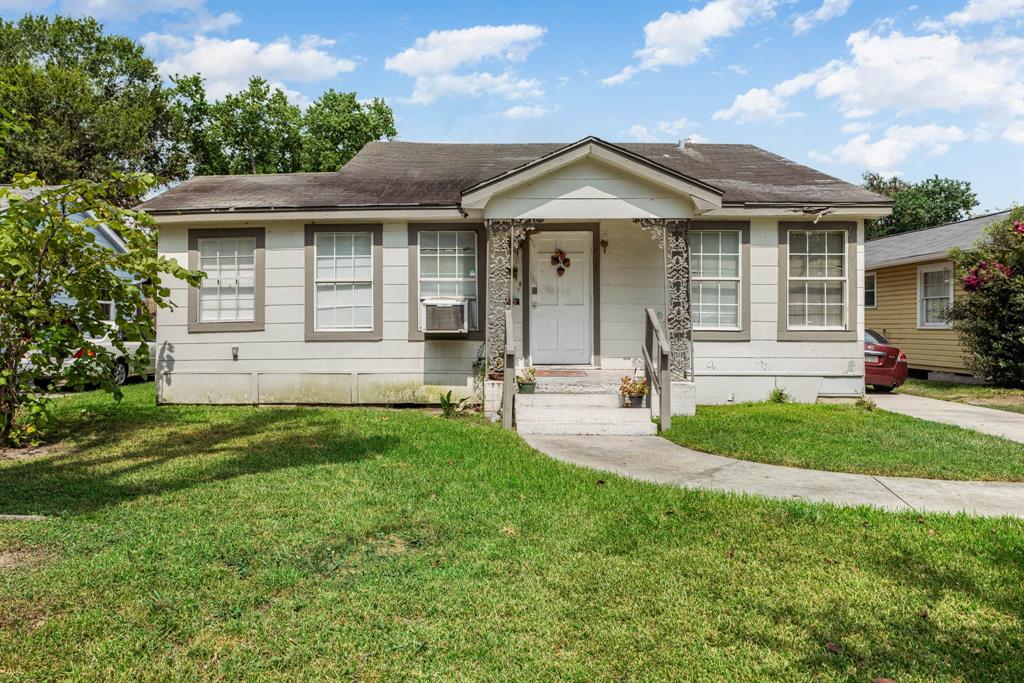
885	366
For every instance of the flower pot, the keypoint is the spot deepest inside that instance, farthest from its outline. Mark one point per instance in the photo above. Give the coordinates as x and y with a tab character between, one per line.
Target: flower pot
634	401
527	387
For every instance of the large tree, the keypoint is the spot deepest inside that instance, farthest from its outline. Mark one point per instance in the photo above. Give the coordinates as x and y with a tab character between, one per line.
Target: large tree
95	104
258	130
930	202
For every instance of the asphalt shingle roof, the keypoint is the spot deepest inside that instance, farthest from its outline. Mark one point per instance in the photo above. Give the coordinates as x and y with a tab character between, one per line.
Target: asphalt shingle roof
414	174
928	241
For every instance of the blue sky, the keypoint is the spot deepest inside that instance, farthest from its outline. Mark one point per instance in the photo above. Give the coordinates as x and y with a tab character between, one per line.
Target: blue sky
914	88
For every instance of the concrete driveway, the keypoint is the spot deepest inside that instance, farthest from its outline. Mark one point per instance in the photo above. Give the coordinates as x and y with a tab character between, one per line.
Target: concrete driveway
996	422
651	458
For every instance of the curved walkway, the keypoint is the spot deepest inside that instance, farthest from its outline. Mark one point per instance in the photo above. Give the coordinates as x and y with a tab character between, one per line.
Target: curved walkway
652	458
989	420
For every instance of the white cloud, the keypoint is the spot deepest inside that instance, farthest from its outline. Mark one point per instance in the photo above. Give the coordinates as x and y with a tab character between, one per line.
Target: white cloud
227	64
526	112
1015	132
905	74
118	9
856	127
641	134
675	127
681	38
830	9
886	153
205	22
977	12
738	69
434	59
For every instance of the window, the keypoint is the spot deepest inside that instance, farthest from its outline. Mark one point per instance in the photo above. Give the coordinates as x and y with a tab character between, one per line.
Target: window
230	297
870	290
934	295
817	279
344	281
715	279
228	292
448	267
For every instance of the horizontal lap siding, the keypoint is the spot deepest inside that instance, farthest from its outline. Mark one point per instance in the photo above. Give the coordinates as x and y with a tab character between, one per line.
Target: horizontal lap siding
895	317
281	349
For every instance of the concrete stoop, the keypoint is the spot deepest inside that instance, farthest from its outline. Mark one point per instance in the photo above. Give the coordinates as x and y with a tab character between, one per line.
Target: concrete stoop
580	412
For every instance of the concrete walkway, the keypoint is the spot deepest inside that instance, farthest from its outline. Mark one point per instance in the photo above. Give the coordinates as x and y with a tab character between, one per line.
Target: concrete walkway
651	458
996	422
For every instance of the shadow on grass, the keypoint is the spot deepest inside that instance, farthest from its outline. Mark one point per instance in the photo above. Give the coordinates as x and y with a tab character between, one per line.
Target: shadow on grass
121	454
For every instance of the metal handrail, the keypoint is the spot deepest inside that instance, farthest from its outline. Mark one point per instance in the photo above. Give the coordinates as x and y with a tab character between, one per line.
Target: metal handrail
509	374
657	375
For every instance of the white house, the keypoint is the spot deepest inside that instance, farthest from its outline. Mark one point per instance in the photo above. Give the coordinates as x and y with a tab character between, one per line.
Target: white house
386	281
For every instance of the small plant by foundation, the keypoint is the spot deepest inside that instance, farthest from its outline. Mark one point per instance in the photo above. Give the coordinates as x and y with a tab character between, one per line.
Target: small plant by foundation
779	395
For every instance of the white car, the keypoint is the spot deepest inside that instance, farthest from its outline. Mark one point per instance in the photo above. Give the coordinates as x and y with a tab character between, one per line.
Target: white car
123	367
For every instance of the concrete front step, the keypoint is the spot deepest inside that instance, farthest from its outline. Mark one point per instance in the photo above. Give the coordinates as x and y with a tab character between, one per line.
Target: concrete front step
547	400
547	386
581	415
576	428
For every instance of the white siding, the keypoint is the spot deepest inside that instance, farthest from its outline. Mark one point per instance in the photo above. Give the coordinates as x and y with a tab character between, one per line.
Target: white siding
585	189
277	364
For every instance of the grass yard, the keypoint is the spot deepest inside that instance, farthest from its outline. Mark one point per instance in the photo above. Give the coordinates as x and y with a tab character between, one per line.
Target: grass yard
290	543
972	394
846	438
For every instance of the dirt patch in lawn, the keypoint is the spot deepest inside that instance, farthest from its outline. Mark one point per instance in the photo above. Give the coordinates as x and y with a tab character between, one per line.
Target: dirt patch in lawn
1008	400
11	558
29	452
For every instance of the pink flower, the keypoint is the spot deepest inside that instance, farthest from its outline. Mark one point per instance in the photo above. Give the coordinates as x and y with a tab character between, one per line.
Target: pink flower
971	282
1005	270
1018	227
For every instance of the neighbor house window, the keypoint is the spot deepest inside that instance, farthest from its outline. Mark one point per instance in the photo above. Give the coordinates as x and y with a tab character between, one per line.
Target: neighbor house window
934	295
715	279
817	279
870	290
228	292
344	281
230	295
448	268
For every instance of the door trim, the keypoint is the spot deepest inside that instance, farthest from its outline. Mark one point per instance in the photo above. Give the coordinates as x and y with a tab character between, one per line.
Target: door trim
595	295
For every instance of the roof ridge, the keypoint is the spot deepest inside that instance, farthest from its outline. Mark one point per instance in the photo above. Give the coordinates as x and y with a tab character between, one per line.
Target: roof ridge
941	225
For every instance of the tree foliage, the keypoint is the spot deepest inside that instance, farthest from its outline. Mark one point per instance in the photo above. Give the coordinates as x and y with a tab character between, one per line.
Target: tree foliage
95	104
990	315
930	202
53	276
258	130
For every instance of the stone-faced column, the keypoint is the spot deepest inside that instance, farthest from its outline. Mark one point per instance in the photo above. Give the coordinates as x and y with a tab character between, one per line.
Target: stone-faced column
673	235
503	239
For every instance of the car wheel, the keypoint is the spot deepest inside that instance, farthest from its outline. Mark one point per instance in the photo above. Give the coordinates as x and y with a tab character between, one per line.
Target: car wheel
882	388
120	373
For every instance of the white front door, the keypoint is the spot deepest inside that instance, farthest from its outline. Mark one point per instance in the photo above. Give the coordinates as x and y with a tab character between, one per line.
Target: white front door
561	323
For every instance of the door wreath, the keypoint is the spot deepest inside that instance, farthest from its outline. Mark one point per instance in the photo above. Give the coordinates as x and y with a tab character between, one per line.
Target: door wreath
561	260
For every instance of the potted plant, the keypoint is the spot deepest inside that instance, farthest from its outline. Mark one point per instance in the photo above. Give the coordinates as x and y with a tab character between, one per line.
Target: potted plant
632	391
527	380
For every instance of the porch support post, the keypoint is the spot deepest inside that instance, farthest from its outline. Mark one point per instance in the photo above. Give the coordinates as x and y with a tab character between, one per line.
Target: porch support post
673	234
503	239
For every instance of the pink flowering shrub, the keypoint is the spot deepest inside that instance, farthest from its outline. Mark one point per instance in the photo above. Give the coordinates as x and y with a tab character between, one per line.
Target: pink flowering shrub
989	316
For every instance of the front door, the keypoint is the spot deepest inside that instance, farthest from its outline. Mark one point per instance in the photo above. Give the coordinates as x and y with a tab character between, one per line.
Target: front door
561	278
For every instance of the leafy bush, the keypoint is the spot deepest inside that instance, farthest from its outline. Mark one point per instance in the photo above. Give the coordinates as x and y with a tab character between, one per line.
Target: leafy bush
779	395
990	315
865	403
451	407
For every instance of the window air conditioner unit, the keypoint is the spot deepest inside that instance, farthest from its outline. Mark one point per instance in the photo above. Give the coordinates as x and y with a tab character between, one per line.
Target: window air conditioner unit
445	315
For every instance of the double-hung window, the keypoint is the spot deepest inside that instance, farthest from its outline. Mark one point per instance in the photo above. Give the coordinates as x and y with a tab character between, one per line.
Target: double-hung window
448	268
870	290
934	295
228	292
343	280
715	279
817	280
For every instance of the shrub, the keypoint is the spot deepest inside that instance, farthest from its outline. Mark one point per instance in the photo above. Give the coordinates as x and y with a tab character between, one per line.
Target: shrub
779	395
865	403
989	317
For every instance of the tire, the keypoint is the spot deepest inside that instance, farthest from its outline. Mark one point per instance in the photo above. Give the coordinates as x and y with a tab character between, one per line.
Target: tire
120	373
882	388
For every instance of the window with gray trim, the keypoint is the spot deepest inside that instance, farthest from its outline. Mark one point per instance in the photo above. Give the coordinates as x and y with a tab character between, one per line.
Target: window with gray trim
228	292
343	280
715	279
870	290
817	280
447	267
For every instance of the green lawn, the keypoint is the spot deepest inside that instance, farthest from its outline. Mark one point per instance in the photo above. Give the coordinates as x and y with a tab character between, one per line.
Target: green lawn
972	394
846	438
287	543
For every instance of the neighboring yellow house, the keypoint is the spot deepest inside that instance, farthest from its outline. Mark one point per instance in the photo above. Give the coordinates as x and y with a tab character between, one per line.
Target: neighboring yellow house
909	284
